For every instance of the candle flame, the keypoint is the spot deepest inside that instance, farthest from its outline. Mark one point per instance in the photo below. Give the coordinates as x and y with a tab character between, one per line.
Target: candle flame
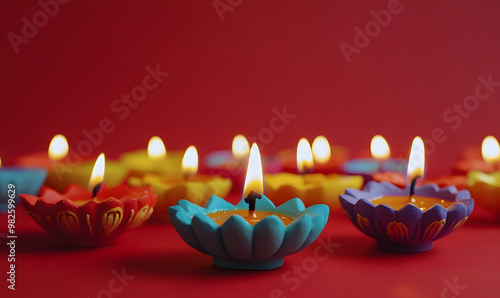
58	147
190	161
97	172
240	147
416	162
321	150
490	149
305	162
253	179
156	148
380	148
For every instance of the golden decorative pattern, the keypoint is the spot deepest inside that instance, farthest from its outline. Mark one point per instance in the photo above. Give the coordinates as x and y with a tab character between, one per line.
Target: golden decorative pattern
89	225
139	218
111	220
68	221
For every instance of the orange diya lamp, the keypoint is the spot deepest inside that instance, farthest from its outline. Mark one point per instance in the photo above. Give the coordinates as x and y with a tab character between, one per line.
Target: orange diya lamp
483	186
409	219
254	234
312	188
473	159
91	217
188	185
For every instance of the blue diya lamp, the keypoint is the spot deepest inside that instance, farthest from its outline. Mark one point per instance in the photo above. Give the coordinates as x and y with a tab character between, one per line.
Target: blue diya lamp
240	242
24	180
384	212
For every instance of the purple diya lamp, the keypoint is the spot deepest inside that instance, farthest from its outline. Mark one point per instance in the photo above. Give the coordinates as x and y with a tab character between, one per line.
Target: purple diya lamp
409	219
15	180
232	164
381	161
254	234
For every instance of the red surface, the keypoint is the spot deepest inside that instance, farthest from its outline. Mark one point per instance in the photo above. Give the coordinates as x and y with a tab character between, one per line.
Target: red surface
231	76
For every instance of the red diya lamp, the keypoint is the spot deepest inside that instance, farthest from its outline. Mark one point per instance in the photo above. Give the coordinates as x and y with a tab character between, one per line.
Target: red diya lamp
327	159
232	164
91	217
472	159
58	152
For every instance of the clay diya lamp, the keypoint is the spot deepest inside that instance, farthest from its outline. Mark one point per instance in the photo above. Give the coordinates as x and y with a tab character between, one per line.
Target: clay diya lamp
189	185
90	218
254	234
312	188
380	163
17	179
409	219
328	159
485	187
155	160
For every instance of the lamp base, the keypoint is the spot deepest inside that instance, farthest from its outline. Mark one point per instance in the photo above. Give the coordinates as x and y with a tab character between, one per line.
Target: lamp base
256	265
404	247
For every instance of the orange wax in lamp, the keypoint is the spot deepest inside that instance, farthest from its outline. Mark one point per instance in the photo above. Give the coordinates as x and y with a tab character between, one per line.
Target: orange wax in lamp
415	170
328	159
188	186
315	188
254	186
154	160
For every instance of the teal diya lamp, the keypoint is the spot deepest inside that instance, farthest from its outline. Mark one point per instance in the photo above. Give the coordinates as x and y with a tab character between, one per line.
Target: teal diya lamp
253	234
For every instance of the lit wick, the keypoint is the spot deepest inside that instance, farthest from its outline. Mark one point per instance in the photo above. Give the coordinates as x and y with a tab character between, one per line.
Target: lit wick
250	199
412	187
96	190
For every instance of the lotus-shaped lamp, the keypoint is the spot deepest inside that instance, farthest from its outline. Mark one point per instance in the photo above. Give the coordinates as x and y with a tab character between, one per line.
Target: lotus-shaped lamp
78	218
236	244
408	229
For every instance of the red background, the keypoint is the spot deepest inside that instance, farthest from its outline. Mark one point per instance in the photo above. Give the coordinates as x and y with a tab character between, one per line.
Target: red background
225	78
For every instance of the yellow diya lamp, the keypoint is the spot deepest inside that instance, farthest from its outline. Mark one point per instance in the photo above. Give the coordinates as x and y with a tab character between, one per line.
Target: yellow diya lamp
312	188
188	185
